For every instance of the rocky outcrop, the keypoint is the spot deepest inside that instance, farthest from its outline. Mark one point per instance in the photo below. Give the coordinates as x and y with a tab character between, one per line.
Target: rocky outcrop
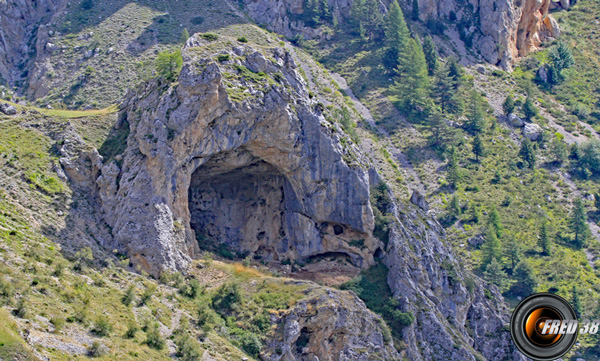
501	31
234	155
237	155
455	320
22	23
329	325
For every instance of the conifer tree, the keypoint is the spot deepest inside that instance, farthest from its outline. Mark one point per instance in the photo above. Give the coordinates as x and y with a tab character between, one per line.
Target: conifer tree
544	239
579	224
454	207
495	274
478	147
324	11
576	302
495	222
529	109
396	36
476	120
513	252
509	105
430	55
415	10
527	153
526	279
456	72
413	88
374	21
491	248
452	175
185	35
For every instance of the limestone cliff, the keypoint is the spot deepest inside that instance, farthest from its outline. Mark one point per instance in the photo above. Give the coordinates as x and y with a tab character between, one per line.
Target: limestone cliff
22	29
236	154
501	31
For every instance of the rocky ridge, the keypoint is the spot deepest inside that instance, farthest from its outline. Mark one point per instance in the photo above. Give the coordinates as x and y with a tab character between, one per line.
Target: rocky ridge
240	138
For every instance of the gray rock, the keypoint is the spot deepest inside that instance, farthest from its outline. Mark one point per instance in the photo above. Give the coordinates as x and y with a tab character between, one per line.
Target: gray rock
543	73
515	121
8	109
481	69
51	47
88	54
419	200
532	131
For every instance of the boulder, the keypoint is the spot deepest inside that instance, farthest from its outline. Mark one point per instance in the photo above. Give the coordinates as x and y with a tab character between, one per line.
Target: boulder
419	200
8	109
532	131
515	121
543	73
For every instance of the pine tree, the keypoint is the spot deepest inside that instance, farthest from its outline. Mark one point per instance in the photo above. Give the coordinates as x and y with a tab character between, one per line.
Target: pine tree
396	31
430	55
579	224
559	150
374	21
513	252
597	201
185	35
456	71
576	302
476	120
495	222
475	213
415	10
544	239
561	58
454	207
495	274
526	279
442	134
491	248
509	105
529	109
527	153
478	147
324	11
413	87
453	175
444	89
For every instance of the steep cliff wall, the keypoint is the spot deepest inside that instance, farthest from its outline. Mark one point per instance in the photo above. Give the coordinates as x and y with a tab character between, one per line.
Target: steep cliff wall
501	31
238	155
21	22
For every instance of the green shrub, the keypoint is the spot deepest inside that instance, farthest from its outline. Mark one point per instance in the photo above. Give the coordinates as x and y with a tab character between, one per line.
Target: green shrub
129	296
227	298
242	39
209	36
250	343
188	349
132	329
97	350
148	293
58	322
102	327
153	337
191	289
223	57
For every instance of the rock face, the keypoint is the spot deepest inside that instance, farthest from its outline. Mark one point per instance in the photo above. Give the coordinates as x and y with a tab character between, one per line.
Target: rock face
332	325
22	34
249	163
454	318
261	176
500	30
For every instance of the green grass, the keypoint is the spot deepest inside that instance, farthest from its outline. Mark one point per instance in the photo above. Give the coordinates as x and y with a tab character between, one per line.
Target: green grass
11	345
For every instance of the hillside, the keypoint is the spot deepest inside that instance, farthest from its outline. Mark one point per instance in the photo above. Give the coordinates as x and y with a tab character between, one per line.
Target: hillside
204	180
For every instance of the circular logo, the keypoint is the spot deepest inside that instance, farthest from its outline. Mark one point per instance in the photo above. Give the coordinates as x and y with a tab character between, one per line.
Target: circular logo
544	327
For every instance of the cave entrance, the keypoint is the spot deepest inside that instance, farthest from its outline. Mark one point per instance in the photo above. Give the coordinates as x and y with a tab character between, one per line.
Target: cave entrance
236	204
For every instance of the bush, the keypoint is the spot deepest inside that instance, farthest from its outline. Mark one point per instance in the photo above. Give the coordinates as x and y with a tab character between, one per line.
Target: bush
147	295
250	343
21	311
129	296
242	39
227	298
223	57
58	322
188	349
191	289
132	329
209	36
97	350
153	337
102	327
